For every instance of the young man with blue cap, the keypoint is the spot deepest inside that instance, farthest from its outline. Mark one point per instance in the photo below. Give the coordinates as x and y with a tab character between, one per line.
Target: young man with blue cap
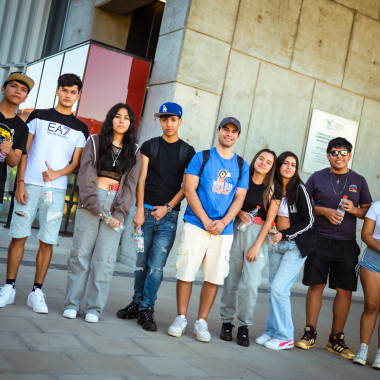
158	197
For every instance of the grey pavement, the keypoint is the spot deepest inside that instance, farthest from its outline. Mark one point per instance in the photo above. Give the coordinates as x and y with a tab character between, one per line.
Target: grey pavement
35	346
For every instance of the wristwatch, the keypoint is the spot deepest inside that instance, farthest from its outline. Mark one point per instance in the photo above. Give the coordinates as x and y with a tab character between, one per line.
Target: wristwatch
168	207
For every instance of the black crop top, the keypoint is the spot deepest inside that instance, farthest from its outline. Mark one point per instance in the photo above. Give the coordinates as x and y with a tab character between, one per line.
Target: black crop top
110	168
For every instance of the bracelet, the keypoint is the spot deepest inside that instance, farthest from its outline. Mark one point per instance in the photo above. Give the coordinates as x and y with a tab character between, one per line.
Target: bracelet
223	222
20	180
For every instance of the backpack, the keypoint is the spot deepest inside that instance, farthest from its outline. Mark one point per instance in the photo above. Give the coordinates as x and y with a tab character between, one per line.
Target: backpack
206	156
155	144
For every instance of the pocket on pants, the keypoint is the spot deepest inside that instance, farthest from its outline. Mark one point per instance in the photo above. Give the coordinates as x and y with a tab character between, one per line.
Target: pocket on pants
109	267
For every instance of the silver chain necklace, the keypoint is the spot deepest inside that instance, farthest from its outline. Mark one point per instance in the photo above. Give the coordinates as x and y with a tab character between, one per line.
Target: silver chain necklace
337	181
115	156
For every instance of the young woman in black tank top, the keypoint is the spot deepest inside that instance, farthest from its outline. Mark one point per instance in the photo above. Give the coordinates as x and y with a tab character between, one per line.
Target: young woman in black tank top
249	250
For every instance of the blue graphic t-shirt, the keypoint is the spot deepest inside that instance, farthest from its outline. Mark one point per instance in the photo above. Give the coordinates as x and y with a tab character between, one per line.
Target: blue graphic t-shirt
217	186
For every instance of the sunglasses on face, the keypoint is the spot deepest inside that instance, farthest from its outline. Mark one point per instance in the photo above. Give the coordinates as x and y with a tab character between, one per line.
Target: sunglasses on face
335	153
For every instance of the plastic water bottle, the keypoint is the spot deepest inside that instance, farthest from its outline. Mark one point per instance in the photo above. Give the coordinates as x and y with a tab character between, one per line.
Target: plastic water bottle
48	194
139	240
252	215
340	209
106	217
273	230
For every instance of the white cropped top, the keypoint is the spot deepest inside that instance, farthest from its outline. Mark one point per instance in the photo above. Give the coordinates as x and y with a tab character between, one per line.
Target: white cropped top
283	210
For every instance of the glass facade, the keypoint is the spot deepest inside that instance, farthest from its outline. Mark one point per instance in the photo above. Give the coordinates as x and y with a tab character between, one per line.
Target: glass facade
109	76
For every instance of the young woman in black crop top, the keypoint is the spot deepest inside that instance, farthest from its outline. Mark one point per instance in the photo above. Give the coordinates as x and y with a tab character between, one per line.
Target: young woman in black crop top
249	249
291	245
107	178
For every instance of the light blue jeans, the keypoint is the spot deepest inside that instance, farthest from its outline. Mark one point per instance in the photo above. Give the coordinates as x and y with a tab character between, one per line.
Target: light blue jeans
244	277
285	263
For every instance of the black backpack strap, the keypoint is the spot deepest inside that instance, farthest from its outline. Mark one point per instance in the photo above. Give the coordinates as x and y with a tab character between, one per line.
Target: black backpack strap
183	153
240	161
153	150
206	156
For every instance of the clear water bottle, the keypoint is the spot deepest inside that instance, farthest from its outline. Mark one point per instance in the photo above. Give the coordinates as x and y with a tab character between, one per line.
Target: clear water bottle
252	215
106	217
139	240
273	230
340	209
48	194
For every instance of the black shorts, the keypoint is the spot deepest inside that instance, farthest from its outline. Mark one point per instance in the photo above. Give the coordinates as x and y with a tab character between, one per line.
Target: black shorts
336	259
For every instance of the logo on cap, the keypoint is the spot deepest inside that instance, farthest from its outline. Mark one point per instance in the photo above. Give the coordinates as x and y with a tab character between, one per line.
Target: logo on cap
164	109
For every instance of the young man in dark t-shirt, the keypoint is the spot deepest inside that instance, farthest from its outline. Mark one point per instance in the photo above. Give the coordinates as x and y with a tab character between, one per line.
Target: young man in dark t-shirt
158	198
337	251
13	130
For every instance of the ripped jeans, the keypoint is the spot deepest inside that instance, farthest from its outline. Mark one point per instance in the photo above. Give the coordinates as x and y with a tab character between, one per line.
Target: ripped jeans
159	237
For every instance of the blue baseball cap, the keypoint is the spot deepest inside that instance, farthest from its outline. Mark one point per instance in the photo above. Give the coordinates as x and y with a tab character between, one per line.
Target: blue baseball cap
169	108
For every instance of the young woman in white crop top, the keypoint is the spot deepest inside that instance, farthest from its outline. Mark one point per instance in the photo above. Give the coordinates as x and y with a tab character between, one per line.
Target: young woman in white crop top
286	253
370	279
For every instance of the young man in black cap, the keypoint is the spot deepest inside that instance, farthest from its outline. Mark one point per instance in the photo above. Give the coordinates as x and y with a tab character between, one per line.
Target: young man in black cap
215	189
158	198
13	130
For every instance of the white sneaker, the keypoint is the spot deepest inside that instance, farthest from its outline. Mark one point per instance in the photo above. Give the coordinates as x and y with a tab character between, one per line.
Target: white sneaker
201	331
91	318
278	344
7	295
70	313
361	357
178	326
36	300
376	363
263	338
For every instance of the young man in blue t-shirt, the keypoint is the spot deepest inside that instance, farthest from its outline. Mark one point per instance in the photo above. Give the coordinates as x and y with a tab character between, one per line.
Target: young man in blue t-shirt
215	196
337	251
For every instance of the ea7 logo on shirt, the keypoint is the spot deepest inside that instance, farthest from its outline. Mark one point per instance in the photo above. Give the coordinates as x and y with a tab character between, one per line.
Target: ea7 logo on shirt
58	129
353	188
221	185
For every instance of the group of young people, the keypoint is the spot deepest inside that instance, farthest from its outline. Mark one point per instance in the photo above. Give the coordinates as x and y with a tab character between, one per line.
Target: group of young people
221	190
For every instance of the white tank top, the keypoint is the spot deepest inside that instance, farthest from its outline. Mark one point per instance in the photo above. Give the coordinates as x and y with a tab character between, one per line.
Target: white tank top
283	210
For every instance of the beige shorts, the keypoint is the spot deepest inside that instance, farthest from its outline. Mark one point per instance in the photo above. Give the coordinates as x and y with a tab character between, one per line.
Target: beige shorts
197	247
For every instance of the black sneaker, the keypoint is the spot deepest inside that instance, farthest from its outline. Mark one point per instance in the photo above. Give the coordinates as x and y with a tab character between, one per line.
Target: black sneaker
308	339
242	336
146	320
337	345
131	311
226	333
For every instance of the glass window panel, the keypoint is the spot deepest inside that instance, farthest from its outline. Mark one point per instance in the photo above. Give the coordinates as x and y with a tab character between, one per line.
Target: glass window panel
74	62
33	71
105	84
50	74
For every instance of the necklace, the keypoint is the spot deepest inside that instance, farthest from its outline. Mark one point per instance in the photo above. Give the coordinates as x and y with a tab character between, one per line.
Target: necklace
337	181
115	156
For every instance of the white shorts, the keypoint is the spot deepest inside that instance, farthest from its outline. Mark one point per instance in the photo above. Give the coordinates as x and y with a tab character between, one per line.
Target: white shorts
197	247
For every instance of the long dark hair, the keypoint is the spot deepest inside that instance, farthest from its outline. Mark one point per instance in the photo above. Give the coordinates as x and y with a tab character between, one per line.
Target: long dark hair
294	182
268	180
127	157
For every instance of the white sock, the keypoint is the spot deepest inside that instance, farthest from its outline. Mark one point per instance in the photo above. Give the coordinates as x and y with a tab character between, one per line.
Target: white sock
363	345
182	316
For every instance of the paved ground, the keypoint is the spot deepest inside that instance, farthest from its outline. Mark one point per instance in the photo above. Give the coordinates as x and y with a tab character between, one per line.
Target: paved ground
49	346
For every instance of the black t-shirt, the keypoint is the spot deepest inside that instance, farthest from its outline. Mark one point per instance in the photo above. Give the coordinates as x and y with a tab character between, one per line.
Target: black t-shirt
165	174
254	198
19	130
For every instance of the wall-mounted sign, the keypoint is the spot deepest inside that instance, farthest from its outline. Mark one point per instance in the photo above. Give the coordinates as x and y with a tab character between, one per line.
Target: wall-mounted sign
323	128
